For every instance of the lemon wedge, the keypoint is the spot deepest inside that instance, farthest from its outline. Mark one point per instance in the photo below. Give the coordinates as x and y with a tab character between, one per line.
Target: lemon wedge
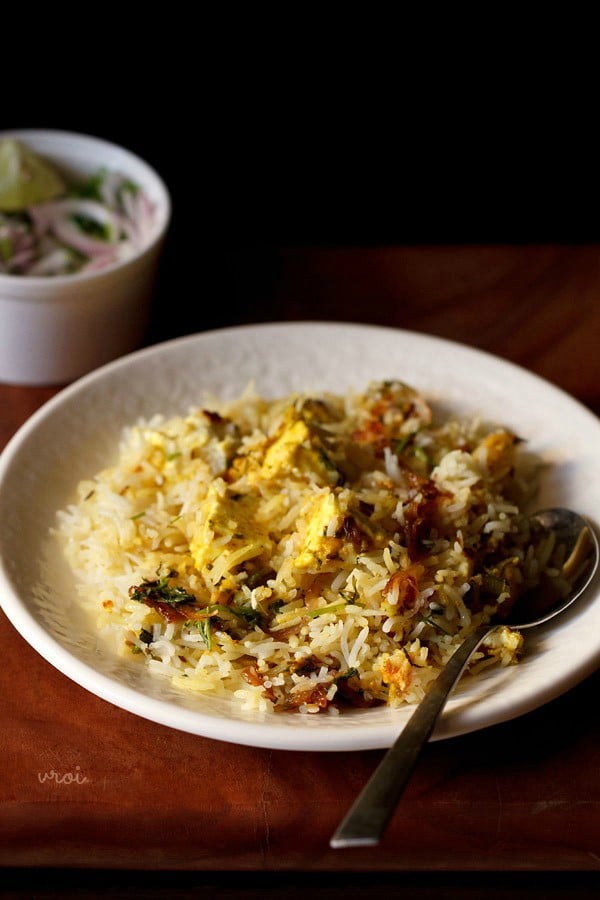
25	178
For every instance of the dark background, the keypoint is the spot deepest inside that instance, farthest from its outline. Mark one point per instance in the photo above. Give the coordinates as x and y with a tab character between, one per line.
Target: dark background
325	142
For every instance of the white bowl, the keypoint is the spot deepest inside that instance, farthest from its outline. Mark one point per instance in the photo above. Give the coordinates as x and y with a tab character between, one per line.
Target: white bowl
53	329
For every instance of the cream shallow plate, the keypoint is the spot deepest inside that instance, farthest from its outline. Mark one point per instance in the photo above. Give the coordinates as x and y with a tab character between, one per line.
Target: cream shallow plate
76	433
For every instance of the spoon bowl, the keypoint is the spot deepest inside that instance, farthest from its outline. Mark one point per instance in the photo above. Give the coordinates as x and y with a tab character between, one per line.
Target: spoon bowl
366	821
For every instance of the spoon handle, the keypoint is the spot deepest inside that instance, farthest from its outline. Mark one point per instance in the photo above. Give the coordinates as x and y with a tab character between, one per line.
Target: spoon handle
365	822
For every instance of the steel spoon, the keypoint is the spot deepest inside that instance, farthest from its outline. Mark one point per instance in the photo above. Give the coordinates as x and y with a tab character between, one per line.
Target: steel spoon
367	818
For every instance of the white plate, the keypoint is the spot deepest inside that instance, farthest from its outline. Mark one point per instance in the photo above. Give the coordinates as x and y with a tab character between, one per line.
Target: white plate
76	433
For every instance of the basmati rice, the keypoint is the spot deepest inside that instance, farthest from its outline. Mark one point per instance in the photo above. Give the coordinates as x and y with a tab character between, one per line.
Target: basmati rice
307	553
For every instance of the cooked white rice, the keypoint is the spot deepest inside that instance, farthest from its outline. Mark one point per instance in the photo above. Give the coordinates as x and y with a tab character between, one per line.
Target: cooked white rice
306	553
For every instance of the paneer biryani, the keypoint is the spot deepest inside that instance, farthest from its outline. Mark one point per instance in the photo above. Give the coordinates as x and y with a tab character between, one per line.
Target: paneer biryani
307	553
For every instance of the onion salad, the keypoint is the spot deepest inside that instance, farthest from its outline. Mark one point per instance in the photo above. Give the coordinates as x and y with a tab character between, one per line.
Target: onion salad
103	221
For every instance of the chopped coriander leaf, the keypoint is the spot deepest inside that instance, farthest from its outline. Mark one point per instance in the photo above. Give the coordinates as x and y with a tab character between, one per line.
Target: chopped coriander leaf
91	188
160	591
434	624
251	616
205	628
422	455
349	673
91	227
321	610
403	443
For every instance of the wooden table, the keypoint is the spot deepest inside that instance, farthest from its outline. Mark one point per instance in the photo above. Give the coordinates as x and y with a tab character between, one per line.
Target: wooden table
89	788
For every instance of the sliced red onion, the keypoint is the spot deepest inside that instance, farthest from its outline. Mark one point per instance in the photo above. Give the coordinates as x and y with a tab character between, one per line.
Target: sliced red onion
140	217
54	263
100	262
70	234
109	189
21	245
42	215
21	259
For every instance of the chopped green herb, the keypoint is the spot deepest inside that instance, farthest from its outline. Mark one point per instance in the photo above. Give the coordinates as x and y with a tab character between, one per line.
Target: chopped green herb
333	473
403	443
321	610
90	189
349	673
160	591
494	583
422	455
91	227
252	617
259	577
205	629
434	624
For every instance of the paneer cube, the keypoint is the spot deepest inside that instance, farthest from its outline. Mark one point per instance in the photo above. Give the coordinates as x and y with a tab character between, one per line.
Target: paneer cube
281	455
298	451
396	671
317	529
228	534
